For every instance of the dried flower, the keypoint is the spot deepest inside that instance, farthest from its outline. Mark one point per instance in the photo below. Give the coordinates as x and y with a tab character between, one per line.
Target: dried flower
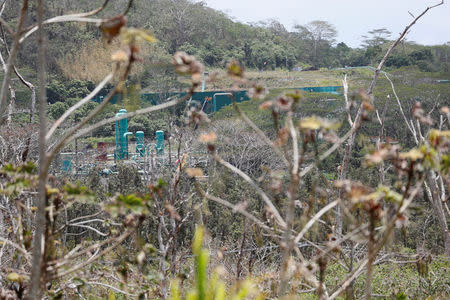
413	154
257	91
110	28
187	64
172	210
419	114
402	221
197	117
377	157
284	103
194	172
282	137
235	70
208	137
266	105
120	56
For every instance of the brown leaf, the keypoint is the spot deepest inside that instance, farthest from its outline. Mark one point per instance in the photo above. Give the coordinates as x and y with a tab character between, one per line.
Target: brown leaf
257	91
266	105
208	137
367	106
120	56
282	138
194	172
284	103
445	110
172	212
111	27
241	206
377	157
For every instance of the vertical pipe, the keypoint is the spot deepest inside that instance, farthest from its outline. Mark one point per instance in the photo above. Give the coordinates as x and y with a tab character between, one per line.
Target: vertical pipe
140	147
121	140
204	81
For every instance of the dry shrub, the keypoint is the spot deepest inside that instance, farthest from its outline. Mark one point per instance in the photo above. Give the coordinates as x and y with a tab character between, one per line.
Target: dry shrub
93	61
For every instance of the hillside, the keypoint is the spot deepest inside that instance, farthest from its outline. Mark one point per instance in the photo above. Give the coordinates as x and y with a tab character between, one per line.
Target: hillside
159	149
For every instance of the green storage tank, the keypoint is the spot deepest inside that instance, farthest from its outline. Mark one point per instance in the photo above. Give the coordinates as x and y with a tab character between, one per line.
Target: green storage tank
159	146
140	147
121	139
67	165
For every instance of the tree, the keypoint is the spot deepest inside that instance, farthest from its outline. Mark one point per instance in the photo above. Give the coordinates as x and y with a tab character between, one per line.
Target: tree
376	37
321	36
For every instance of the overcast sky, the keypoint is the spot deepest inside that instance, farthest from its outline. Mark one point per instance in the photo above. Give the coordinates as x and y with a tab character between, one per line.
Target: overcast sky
352	18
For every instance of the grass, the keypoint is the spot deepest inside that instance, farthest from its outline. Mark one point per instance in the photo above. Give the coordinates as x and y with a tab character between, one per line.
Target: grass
392	280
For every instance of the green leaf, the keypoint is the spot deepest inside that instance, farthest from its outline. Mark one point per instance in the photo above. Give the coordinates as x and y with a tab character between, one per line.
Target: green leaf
131	200
401	296
111	295
311	123
245	289
14	277
78	193
413	154
220	291
175	290
198	239
202	273
130	34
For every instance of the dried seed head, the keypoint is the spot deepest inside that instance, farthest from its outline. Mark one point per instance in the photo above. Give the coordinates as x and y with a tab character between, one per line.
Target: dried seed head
284	103
187	64
257	91
110	28
235	70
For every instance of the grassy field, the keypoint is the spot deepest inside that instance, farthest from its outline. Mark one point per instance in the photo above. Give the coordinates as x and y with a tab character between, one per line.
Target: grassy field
409	82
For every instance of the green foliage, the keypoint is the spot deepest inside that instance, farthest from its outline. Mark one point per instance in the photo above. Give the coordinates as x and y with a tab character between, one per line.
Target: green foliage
60	90
19	178
211	288
57	109
398	61
78	193
130	202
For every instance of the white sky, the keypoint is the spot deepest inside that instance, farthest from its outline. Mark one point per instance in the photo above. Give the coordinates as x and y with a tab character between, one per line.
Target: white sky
352	18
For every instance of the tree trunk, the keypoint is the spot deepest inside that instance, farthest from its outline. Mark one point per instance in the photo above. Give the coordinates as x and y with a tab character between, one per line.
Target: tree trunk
38	269
12	104
432	190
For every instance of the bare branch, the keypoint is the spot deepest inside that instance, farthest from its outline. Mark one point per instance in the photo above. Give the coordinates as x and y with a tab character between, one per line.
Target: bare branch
258	131
111	287
347	103
295	153
391	48
90	228
314	219
237	208
263	195
117	242
11	59
19	248
80	17
401	108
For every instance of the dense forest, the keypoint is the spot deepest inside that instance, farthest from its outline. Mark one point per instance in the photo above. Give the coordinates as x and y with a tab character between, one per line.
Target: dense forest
214	39
290	194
